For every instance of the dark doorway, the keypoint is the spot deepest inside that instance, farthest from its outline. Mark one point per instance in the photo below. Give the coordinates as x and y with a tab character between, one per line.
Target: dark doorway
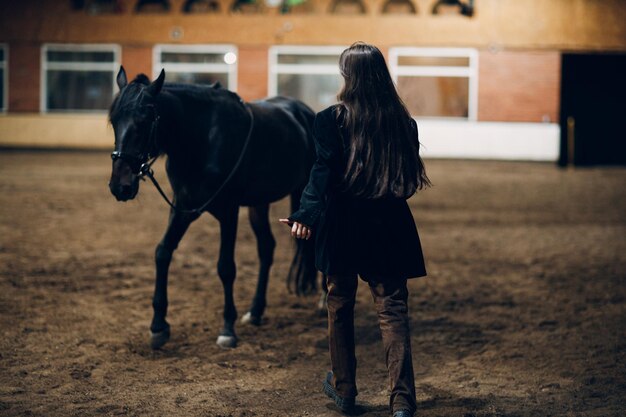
593	109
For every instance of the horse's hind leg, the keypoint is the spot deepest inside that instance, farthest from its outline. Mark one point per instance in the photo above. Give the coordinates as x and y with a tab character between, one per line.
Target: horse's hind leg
178	225
259	219
226	269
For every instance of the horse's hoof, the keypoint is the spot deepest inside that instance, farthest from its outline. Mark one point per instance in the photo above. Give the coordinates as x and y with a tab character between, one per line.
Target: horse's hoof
158	339
248	318
227	342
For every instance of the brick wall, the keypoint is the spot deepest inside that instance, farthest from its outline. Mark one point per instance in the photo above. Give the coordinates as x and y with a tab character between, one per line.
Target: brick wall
136	60
252	68
519	86
514	86
24	76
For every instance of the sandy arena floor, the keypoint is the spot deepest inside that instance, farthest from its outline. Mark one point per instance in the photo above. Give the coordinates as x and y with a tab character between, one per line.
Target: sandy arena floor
523	312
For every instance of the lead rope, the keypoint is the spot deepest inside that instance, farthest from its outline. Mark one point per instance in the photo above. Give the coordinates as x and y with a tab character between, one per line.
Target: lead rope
146	170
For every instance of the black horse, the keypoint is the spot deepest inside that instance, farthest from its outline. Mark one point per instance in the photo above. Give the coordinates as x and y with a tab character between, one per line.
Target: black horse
222	153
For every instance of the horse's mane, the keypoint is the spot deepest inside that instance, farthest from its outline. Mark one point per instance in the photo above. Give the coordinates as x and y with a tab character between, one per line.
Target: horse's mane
201	92
130	96
183	86
141	79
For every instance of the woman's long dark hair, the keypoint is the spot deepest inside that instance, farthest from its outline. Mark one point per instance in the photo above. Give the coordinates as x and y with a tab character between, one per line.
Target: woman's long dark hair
383	158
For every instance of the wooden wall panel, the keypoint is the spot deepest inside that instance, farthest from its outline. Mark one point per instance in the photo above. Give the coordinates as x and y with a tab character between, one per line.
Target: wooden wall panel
525	24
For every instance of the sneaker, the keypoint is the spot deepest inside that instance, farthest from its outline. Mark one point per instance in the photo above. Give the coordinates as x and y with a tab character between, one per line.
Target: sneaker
403	413
345	404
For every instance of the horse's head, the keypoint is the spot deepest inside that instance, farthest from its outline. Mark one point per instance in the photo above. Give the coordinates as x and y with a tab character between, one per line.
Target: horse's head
134	118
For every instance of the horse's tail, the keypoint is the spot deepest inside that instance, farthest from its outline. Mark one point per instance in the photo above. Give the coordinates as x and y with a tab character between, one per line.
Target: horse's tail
302	277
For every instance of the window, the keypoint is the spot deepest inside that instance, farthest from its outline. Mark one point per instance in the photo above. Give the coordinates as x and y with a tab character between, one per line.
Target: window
437	82
451	7
96	7
302	7
4	77
152	6
308	73
201	64
347	7
248	7
78	77
201	6
399	7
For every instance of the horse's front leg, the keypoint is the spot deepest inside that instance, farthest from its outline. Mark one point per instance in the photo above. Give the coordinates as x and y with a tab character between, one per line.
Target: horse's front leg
227	271
176	228
259	219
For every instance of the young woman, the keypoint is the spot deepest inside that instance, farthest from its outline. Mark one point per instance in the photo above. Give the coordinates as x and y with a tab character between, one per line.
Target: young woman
367	165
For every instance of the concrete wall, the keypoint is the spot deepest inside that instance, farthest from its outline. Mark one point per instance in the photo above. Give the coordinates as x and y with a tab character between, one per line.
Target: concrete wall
489	140
440	139
77	131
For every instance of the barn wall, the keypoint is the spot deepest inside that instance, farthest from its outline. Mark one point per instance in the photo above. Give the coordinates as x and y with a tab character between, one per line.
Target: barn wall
24	77
520	86
520	43
252	72
530	24
137	59
78	131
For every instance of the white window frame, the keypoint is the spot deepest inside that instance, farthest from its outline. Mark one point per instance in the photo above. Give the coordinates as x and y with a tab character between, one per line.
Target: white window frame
275	69
470	72
199	68
76	66
4	65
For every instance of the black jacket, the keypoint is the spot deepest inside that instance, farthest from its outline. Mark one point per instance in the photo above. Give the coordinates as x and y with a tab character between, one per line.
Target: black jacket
375	238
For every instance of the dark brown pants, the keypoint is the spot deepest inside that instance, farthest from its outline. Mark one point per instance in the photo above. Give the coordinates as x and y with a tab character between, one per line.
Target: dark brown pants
391	304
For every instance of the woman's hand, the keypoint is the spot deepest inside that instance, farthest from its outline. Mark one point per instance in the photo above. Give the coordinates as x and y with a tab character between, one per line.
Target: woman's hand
298	230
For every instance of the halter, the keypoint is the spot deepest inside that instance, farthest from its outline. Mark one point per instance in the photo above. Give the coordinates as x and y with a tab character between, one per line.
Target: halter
143	164
138	162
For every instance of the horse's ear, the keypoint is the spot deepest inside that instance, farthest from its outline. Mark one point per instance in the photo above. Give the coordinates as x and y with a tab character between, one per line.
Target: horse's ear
122	81
156	86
